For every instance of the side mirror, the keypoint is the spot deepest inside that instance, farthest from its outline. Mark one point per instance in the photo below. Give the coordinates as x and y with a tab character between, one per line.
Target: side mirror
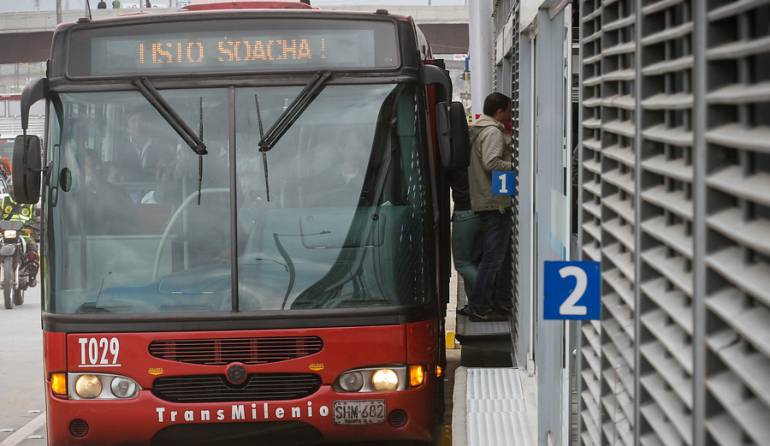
27	173
454	140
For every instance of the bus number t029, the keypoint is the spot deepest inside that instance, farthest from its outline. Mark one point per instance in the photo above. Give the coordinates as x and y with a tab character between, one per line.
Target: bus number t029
99	352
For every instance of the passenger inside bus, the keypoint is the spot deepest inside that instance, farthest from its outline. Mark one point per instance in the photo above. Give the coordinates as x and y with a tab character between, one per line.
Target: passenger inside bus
138	152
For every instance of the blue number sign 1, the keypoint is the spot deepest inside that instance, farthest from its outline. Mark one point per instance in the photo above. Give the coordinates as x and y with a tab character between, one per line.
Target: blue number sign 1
572	290
504	183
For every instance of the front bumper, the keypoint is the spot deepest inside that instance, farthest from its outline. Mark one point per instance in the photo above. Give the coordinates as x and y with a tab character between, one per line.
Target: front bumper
148	420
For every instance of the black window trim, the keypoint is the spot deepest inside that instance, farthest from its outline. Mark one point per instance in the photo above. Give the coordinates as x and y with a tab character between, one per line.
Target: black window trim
265	320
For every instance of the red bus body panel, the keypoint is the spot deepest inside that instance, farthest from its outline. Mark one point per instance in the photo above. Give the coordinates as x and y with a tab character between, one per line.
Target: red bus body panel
136	421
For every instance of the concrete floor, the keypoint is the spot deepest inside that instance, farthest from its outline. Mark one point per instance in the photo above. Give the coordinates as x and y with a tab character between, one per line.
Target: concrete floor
21	367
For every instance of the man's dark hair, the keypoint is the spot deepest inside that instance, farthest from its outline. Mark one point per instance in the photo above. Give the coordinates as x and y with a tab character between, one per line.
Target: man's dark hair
494	102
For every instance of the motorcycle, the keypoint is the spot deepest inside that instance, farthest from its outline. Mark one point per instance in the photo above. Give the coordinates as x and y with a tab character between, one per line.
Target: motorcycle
19	263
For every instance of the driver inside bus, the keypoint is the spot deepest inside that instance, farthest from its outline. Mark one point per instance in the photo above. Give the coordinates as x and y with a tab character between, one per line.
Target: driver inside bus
142	152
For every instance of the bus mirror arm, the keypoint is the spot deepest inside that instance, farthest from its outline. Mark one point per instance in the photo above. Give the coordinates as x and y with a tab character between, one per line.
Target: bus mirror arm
33	92
147	89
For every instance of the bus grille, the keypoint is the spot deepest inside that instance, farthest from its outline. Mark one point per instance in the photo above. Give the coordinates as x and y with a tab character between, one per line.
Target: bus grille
244	350
214	388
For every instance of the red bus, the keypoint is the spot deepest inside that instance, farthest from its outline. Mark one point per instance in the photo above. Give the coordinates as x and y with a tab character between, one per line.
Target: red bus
245	227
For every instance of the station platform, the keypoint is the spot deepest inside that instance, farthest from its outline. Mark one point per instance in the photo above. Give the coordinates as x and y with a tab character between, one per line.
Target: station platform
493	406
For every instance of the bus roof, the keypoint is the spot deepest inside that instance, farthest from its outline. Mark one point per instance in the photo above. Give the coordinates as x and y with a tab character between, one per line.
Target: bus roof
225	10
219	5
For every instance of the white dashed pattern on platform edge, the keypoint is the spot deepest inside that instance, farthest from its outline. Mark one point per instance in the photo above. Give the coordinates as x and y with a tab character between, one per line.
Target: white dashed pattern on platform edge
496	408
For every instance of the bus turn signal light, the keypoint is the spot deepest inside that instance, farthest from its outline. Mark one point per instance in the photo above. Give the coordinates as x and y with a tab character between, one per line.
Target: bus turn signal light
439	371
416	375
59	384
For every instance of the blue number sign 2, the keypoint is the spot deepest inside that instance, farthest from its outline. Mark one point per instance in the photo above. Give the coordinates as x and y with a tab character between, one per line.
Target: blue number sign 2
572	290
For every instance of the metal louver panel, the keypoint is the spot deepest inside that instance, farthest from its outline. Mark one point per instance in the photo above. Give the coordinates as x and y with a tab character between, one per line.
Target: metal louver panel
591	380
617	219
737	188
515	142
691	361
666	220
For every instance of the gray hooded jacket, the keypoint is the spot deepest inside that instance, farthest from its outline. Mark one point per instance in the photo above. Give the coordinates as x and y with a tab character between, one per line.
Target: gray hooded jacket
490	151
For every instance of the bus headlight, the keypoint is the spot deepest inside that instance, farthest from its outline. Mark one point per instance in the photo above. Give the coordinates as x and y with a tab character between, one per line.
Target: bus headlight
384	380
88	386
101	386
387	378
9	233
351	381
123	387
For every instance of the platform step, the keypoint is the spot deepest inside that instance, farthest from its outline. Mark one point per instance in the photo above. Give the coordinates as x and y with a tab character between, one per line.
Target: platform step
469	329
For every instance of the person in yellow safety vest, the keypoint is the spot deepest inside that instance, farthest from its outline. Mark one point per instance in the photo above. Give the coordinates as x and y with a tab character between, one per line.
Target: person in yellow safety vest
24	213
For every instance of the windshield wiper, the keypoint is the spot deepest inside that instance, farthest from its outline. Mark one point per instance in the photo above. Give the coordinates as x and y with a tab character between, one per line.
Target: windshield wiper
171	116
264	154
294	111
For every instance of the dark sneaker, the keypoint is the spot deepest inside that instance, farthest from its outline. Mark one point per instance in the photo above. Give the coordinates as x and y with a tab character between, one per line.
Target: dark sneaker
477	316
487	315
465	311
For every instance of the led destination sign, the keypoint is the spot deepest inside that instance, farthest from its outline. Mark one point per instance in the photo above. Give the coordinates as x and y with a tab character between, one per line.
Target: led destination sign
279	45
225	51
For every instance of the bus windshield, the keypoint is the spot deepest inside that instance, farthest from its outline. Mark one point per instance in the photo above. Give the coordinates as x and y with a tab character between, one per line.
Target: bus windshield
341	217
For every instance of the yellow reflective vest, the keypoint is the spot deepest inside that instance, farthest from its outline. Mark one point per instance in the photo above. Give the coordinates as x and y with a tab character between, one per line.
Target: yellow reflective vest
13	211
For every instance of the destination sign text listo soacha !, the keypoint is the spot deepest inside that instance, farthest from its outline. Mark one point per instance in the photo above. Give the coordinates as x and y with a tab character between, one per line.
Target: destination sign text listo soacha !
228	51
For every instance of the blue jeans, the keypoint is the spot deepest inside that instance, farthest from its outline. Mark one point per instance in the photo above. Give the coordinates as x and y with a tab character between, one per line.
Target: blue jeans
493	281
467	243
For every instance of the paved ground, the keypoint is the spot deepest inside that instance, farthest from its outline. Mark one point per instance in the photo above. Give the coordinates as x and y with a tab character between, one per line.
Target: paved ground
21	366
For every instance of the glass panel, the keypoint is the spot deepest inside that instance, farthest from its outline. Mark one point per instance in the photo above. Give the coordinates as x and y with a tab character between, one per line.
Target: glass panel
346	224
128	234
